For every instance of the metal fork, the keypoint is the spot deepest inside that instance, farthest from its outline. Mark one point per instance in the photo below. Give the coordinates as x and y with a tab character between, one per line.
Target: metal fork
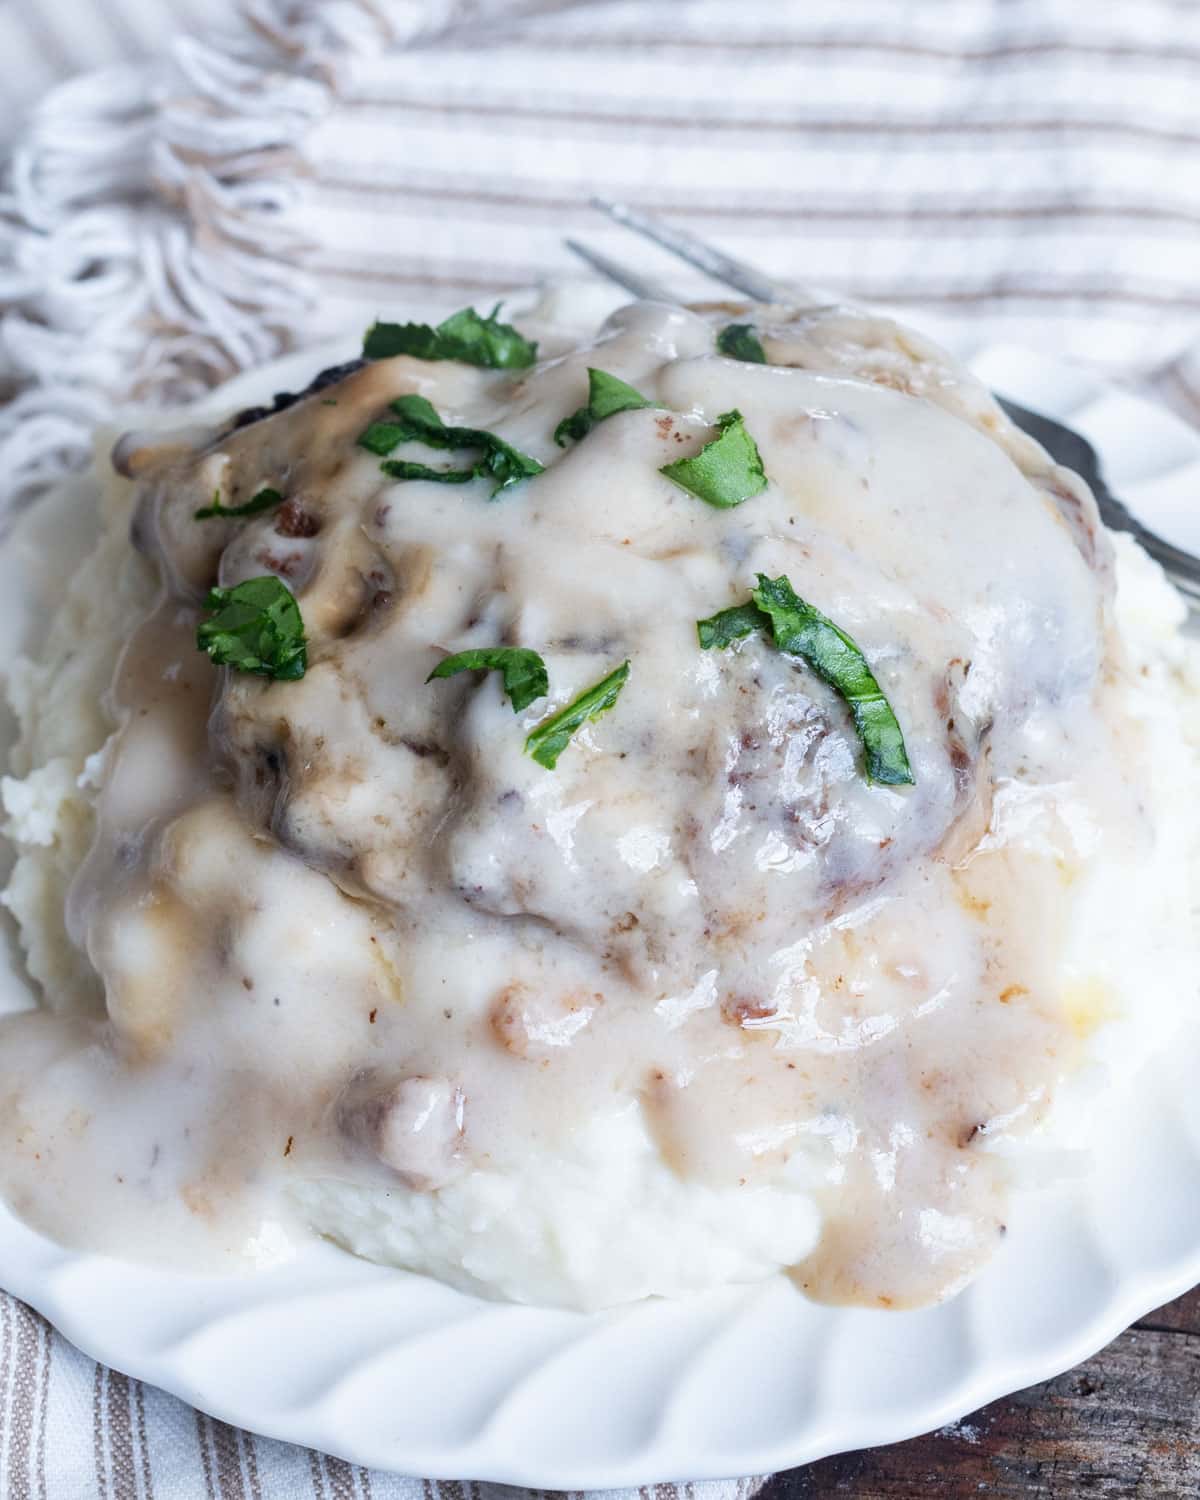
1063	443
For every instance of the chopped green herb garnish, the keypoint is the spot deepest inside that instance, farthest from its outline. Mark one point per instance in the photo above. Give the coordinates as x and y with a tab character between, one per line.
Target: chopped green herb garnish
385	340
264	500
505	464
256	627
464	336
606	397
729	625
401	468
800	630
523	671
550	738
419	422
726	471
739	341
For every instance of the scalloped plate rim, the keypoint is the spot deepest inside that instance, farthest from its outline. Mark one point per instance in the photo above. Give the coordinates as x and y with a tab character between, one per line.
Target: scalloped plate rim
32	1266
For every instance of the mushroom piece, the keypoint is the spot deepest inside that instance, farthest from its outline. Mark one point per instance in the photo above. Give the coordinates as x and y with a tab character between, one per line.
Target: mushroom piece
413	1125
534	1025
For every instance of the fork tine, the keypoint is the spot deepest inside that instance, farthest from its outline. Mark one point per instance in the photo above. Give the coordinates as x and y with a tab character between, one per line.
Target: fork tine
633	281
713	262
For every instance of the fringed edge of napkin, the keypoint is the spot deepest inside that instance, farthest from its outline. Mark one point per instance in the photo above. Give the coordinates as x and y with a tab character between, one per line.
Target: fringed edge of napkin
149	234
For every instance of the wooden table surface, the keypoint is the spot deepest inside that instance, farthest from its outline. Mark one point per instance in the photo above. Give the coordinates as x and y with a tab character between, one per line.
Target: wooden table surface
1125	1424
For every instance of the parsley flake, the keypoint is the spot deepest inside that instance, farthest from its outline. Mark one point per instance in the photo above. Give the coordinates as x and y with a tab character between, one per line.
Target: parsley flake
464	336
799	629
740	341
729	625
403	468
726	471
255	627
265	499
523	671
606	397
547	741
419	422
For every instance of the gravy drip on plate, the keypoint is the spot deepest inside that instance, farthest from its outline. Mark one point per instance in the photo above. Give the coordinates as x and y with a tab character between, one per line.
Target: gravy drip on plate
348	928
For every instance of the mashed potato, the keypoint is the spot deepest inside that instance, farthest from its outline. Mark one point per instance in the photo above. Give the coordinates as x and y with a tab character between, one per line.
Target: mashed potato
716	992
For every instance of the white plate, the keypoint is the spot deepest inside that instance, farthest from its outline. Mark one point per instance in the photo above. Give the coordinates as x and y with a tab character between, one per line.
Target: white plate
397	1372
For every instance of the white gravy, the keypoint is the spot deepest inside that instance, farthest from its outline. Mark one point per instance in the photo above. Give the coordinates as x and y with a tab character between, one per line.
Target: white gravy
347	927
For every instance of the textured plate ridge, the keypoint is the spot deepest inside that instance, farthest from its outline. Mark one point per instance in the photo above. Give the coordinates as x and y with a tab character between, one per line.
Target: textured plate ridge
745	1380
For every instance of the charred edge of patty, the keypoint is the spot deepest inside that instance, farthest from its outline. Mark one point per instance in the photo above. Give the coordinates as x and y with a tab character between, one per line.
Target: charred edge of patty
284	399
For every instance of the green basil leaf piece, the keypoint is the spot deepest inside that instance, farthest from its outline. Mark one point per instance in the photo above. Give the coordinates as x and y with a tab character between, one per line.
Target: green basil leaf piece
464	336
385	340
419	422
801	630
265	499
729	625
485	341
523	671
401	468
726	471
504	463
381	437
255	627
740	341
419	415
606	397
550	738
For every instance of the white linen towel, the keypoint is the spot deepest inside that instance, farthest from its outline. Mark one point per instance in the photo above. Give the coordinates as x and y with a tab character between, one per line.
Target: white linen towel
302	164
1028	164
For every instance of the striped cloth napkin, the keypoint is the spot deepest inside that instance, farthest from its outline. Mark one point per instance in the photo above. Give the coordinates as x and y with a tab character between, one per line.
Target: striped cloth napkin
1027	165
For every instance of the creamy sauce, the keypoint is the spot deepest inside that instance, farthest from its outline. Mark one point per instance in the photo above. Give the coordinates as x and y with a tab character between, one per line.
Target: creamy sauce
347	928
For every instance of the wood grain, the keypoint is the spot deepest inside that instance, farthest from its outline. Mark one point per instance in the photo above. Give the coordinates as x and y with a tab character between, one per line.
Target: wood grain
1125	1424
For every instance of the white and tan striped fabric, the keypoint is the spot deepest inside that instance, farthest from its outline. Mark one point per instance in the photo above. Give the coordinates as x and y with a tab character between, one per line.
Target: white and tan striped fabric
1029	166
43	43
73	1430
